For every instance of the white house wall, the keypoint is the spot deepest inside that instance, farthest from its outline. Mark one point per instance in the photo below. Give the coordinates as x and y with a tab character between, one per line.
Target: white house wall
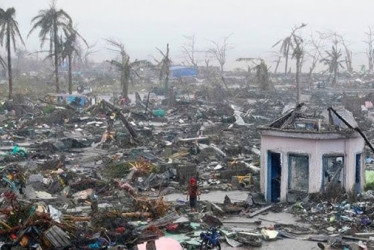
315	149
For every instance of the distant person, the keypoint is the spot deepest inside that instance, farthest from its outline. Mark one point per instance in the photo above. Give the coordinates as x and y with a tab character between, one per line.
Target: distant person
193	193
123	101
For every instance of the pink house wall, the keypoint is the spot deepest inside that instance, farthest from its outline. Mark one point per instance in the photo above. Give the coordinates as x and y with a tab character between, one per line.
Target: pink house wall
315	146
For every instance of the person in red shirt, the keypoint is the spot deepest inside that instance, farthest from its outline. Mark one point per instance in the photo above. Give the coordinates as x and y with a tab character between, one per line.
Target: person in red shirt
193	193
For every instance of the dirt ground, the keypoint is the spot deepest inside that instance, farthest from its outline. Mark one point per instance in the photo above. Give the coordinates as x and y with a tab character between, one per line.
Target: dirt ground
283	244
237	223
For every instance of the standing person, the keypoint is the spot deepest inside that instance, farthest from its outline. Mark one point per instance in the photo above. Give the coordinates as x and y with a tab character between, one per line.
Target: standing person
193	193
122	102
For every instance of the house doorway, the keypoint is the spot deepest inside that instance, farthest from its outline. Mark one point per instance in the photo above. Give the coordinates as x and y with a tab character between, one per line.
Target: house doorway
358	174
274	176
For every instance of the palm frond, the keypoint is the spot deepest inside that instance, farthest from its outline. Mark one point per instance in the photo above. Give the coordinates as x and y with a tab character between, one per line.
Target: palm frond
162	53
2	63
275	44
245	59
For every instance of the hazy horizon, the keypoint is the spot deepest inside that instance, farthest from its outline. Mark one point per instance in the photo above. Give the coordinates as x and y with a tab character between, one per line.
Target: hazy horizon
255	26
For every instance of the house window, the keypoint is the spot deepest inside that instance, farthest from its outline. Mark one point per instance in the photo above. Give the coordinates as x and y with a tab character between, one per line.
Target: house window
298	172
333	166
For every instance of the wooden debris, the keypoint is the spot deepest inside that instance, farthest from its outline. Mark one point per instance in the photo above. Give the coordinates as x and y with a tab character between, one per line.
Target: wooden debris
259	211
55	237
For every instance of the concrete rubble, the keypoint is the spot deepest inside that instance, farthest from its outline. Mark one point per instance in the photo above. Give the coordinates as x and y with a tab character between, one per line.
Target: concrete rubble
114	177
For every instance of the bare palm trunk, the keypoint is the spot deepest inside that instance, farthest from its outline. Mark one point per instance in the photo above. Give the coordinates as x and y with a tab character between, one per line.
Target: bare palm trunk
310	78
167	70
166	84
310	74
334	78
298	80
55	40
277	65
224	82
70	75
10	77
286	65
125	77
125	88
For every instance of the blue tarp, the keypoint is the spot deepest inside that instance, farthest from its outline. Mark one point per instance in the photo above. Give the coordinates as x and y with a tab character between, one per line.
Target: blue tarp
80	99
182	71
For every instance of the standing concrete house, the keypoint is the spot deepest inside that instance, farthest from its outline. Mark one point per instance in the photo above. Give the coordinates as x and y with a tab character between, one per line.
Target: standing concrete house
306	153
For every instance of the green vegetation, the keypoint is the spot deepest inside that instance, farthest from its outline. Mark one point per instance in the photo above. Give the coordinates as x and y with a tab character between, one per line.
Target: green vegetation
117	170
49	109
369	180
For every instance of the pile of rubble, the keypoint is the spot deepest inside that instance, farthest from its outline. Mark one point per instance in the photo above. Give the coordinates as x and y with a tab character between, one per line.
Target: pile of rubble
99	177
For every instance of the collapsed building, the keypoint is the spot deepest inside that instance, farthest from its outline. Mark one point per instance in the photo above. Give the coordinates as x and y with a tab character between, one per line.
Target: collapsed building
303	153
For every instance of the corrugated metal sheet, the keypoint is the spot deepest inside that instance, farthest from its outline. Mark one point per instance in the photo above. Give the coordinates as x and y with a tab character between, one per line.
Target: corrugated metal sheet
347	116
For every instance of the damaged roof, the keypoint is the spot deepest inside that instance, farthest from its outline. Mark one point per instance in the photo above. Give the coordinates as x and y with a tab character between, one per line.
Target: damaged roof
330	120
333	120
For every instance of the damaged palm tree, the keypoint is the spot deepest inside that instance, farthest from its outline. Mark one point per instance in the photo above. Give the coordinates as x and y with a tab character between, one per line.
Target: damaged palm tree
334	63
277	61
262	75
298	53
165	64
69	49
370	49
348	56
124	66
250	62
285	50
287	45
8	32
52	23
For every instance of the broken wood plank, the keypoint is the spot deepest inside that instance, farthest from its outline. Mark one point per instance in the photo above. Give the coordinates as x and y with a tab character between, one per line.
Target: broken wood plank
364	234
121	116
127	125
260	211
136	215
193	139
216	207
241	222
354	238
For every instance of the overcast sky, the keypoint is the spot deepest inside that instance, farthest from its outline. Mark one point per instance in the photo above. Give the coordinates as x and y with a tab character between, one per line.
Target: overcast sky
255	25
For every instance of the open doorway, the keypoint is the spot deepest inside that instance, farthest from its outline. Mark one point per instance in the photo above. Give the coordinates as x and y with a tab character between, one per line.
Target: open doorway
274	176
358	174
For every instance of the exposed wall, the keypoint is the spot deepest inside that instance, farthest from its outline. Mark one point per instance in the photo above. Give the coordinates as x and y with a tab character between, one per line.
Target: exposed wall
315	146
